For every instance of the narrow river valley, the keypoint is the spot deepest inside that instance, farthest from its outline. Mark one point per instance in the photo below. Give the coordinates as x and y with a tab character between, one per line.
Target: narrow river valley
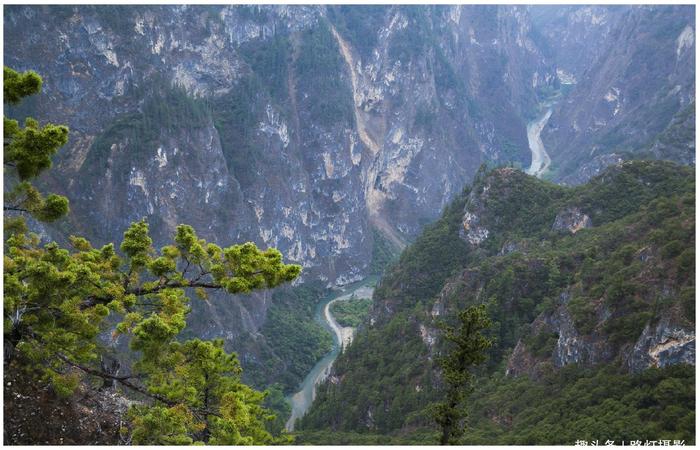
342	336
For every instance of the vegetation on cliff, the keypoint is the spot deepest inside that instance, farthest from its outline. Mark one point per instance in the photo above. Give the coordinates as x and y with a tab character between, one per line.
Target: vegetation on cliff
351	312
299	341
598	265
65	308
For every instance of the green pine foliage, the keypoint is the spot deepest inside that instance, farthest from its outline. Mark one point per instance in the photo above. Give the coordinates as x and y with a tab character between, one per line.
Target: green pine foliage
467	346
27	153
576	403
276	402
203	398
323	437
17	85
571	404
58	301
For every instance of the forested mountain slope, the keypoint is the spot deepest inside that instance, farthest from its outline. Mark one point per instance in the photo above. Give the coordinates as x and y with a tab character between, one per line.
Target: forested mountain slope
291	127
336	132
592	285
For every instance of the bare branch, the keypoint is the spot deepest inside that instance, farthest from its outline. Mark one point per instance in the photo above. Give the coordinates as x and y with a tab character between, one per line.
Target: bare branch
14	208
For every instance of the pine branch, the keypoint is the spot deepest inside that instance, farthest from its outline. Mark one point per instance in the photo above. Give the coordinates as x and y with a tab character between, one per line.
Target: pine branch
124	381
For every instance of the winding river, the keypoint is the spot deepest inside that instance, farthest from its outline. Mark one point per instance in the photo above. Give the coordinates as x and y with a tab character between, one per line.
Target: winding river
540	158
342	336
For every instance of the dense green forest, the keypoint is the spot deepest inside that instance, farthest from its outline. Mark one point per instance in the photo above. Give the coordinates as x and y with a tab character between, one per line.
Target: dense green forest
632	269
567	405
629	271
291	330
579	300
351	312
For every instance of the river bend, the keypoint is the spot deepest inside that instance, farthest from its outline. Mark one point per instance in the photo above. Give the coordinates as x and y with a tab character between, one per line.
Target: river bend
342	336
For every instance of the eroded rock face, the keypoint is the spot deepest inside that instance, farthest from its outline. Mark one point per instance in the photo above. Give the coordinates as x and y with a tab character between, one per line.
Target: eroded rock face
264	165
572	346
571	220
471	231
630	74
312	189
662	345
429	336
521	361
273	171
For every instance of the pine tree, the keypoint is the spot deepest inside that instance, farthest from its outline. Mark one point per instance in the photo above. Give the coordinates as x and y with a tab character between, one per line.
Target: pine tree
467	350
27	153
57	301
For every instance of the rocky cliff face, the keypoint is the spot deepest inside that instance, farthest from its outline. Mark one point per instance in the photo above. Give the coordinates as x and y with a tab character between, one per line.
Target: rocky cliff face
305	127
269	160
559	336
278	125
630	71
